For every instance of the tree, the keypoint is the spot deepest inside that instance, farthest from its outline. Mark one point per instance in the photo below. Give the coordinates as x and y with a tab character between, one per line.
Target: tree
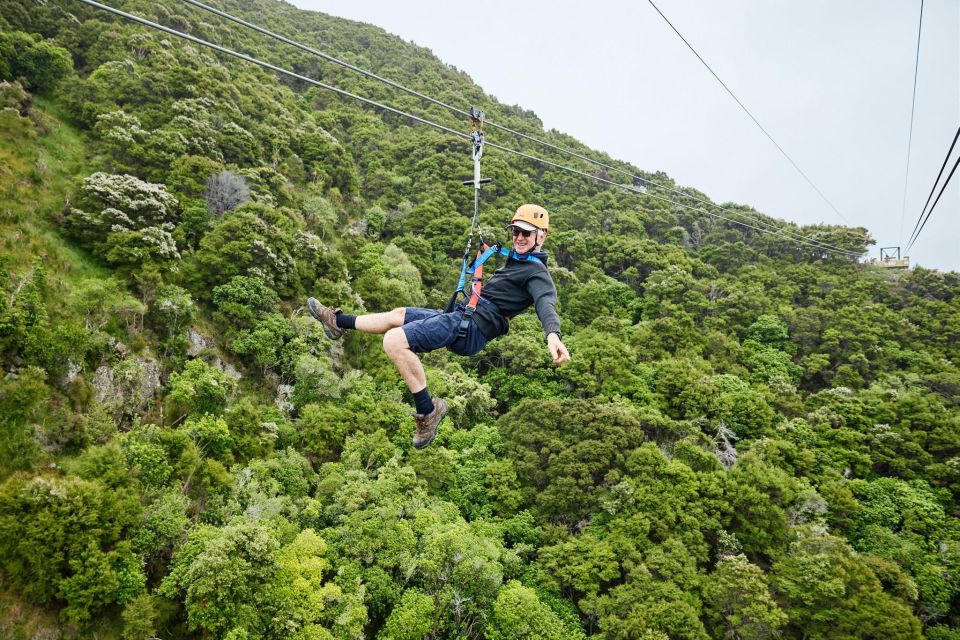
414	617
831	593
222	575
566	451
738	604
198	389
519	614
41	63
64	539
125	220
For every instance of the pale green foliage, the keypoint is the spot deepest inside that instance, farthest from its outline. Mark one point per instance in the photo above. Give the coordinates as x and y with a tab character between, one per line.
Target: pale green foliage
737	601
222	573
414	617
298	590
518	615
210	433
174	307
198	389
163	526
126	220
469	400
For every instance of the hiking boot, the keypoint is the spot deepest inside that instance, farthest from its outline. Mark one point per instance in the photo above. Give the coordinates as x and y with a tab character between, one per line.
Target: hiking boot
427	425
327	318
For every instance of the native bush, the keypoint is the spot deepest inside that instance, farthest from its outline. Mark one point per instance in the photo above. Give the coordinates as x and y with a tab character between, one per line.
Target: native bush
41	63
125	220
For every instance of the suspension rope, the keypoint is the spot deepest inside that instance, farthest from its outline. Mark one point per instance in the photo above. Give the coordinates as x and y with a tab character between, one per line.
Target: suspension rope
913	107
747	111
627	187
934	206
757	219
459	134
946	159
267	65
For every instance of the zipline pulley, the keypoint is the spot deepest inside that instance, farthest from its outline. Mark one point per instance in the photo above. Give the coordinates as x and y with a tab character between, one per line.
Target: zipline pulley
476	137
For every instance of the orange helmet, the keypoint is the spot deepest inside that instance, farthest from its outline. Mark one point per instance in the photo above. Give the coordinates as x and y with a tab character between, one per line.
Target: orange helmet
530	217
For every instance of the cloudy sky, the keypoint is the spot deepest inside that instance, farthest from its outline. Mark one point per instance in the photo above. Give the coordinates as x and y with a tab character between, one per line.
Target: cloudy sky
830	80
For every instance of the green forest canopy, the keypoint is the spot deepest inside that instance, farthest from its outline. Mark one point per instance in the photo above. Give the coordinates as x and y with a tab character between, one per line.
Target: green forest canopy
754	438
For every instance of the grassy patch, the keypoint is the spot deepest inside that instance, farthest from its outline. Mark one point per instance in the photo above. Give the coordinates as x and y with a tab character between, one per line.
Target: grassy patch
19	621
39	166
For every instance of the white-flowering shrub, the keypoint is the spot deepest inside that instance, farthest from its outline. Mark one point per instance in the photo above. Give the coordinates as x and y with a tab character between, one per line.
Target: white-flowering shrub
120	129
144	204
126	220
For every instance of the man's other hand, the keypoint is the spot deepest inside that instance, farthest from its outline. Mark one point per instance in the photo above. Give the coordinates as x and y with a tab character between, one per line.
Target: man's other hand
558	352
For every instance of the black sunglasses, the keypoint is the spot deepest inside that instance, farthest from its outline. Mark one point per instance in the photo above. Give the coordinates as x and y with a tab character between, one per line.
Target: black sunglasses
517	231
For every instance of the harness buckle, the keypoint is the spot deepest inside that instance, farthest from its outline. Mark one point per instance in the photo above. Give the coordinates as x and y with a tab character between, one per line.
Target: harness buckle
465	321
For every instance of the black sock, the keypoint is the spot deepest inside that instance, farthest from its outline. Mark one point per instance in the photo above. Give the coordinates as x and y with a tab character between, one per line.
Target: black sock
346	321
423	402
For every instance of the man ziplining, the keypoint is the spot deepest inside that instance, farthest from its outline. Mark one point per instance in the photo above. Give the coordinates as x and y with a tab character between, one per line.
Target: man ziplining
522	281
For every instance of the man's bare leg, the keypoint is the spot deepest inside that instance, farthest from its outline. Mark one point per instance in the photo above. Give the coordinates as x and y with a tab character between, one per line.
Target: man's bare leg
406	361
430	411
381	322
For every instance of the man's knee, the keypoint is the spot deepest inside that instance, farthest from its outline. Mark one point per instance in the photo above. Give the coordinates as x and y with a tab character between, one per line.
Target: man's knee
394	341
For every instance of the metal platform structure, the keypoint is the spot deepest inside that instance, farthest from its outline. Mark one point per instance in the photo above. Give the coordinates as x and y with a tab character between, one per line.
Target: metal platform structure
890	259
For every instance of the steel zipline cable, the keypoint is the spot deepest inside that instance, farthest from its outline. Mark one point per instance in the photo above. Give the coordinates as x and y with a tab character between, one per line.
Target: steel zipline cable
946	159
747	111
459	134
326	56
934	205
913	107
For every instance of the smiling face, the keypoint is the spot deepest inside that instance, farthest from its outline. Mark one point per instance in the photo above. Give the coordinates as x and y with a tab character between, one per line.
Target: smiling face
526	240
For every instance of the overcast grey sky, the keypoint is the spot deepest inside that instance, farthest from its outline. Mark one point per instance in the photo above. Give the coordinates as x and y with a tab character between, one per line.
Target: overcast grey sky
831	80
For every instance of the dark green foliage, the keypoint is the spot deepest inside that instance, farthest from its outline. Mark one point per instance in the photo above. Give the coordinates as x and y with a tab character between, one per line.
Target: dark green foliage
832	593
566	451
42	64
199	389
62	539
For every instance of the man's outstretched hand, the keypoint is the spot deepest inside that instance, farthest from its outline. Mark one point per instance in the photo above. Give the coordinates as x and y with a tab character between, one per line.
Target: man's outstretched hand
558	352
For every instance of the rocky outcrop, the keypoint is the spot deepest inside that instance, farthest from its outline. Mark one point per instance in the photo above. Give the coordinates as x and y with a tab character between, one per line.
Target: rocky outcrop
130	384
198	343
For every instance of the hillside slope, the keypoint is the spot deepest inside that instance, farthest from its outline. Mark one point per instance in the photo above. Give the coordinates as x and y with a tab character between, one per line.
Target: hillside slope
753	439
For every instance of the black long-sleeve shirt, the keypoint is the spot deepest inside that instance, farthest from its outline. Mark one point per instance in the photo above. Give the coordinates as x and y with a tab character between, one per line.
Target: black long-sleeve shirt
514	287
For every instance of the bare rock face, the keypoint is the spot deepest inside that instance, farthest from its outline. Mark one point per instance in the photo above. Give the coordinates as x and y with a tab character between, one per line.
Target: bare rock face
198	343
102	381
338	353
70	374
226	367
129	384
283	401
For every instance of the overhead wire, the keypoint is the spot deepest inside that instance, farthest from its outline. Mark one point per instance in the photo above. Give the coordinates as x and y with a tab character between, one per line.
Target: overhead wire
913	107
665	199
267	65
946	159
374	103
752	117
934	205
325	56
